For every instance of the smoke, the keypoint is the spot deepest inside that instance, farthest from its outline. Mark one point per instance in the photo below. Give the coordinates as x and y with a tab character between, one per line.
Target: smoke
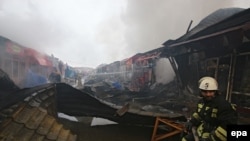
163	71
91	32
29	26
150	23
69	30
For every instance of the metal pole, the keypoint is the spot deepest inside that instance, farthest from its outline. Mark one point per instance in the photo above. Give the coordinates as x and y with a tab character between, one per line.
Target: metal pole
189	26
232	77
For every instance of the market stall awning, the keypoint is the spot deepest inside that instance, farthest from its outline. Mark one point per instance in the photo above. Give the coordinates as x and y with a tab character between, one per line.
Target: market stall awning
153	55
14	49
42	59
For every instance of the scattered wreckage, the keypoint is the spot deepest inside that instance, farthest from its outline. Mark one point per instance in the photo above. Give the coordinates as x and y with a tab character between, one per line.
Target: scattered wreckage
218	46
32	113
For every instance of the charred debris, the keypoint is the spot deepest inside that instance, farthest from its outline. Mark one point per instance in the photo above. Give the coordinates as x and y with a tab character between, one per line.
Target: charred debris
218	46
32	113
133	91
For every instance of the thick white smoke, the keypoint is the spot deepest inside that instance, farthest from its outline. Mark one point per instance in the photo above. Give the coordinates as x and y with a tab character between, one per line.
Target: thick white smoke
93	32
163	71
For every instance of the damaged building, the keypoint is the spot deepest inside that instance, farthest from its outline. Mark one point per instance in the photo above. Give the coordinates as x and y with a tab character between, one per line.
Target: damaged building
219	46
126	91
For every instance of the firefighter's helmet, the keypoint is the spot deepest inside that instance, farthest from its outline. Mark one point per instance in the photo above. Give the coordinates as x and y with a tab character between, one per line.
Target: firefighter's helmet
208	83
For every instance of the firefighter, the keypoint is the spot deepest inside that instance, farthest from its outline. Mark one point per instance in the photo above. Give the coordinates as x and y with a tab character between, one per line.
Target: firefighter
55	76
213	114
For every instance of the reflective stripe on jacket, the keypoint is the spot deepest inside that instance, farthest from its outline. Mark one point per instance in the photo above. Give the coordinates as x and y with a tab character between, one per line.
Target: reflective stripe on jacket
212	117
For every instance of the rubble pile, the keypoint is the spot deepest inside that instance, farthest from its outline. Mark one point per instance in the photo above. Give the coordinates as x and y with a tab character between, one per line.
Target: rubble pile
162	98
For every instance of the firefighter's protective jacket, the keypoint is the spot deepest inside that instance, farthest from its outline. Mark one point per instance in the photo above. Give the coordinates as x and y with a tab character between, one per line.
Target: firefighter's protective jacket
212	118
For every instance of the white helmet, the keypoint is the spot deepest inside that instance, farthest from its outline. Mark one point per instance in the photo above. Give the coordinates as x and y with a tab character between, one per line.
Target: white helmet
208	83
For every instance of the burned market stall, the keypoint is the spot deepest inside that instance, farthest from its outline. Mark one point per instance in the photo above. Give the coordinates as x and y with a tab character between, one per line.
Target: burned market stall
35	110
135	73
218	46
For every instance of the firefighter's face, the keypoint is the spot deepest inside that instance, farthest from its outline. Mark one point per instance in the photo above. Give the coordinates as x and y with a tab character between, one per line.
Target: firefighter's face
208	94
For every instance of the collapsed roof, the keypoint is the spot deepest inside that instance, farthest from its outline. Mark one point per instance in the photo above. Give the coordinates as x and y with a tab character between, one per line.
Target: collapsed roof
218	46
218	22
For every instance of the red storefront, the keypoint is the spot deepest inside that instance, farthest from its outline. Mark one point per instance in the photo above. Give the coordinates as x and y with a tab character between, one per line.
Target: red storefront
15	60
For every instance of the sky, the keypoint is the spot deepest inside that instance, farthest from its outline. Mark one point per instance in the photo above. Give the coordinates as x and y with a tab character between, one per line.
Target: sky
88	33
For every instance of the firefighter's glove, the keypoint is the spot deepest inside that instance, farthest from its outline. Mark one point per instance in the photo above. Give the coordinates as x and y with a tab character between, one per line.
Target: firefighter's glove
188	126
